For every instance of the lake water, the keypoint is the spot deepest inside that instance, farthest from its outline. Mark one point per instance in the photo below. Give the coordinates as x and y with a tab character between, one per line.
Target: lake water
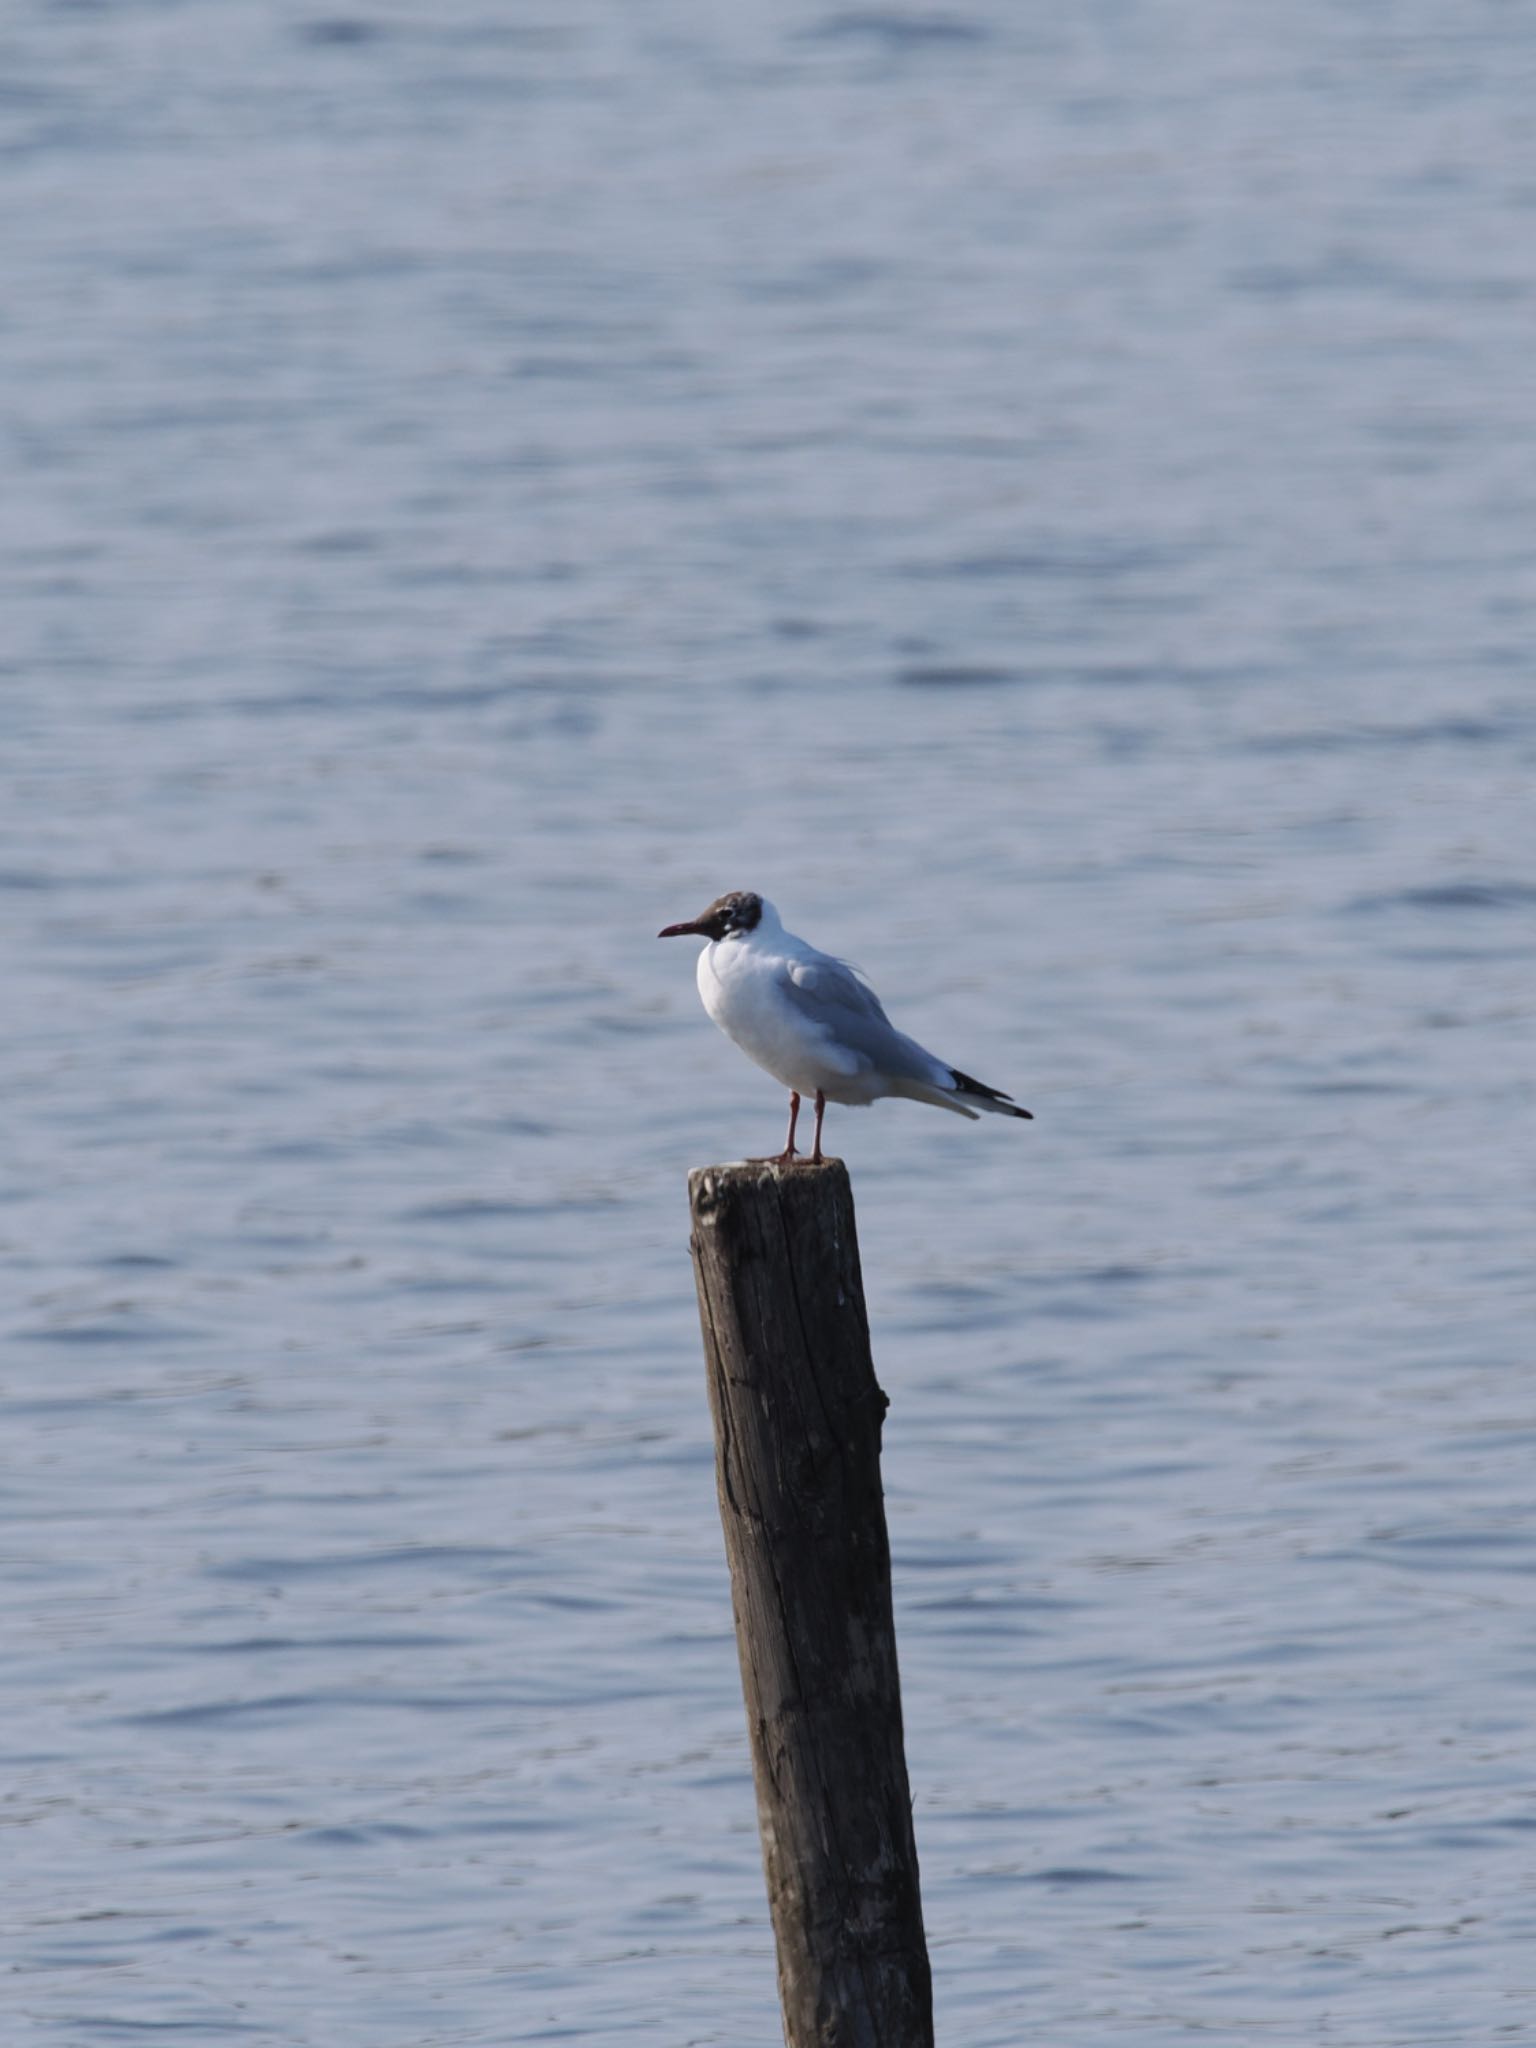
1046	496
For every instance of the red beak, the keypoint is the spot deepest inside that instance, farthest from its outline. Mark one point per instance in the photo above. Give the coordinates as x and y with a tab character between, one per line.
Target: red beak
680	931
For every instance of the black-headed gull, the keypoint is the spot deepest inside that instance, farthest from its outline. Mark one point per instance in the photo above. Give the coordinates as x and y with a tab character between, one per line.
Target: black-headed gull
810	1021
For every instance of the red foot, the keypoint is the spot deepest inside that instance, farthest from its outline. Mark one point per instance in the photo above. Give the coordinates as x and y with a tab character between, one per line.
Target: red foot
789	1155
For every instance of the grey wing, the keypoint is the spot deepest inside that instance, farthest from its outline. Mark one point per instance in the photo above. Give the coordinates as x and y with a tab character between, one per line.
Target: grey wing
828	992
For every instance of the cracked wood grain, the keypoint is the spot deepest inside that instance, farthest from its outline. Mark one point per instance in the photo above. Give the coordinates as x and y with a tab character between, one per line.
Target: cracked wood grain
797	1414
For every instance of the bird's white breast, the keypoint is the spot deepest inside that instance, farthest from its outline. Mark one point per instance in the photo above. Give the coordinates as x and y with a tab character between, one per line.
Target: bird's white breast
740	987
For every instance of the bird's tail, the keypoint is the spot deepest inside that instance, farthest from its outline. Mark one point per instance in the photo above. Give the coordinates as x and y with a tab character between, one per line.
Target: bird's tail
977	1095
963	1095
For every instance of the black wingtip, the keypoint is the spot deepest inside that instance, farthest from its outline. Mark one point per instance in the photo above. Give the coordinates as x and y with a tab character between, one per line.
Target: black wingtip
995	1096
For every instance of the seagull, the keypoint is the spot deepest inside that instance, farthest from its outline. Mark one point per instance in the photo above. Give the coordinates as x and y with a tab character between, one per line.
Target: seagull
813	1023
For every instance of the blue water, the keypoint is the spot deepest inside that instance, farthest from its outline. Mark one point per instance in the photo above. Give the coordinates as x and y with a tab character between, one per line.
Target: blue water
1047	498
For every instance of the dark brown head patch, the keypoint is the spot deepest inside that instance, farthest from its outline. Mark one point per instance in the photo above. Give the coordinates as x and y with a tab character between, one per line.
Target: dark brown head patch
737	912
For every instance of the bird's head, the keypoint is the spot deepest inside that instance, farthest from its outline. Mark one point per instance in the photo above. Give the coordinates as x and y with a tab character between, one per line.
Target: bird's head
728	917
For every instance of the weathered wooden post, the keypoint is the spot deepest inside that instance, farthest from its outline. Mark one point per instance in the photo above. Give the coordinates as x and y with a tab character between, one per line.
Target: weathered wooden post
797	1414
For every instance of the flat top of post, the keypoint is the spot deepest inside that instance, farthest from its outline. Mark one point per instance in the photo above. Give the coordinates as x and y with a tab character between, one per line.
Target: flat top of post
763	1173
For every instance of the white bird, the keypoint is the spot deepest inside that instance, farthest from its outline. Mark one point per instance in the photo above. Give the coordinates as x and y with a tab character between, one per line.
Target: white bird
812	1023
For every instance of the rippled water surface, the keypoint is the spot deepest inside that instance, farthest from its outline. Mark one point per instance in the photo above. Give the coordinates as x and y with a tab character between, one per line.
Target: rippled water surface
1046	496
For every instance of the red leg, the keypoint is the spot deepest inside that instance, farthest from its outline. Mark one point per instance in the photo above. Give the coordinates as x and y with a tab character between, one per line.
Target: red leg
821	1110
789	1155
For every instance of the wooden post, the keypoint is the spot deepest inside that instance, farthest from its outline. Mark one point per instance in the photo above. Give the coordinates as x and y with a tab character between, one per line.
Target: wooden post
797	1413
